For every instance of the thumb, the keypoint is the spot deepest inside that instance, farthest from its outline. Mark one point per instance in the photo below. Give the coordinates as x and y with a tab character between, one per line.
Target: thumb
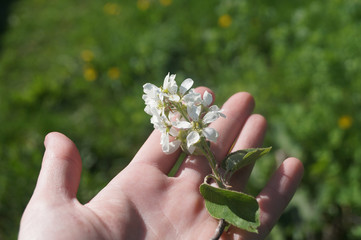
60	171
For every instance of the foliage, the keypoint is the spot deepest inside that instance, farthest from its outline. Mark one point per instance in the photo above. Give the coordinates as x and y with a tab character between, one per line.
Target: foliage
241	158
78	67
238	209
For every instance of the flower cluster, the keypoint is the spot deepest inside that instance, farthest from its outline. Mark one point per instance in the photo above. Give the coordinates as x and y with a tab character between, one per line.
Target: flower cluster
181	114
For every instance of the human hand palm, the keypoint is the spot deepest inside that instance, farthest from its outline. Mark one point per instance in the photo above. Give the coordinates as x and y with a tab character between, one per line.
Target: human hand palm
142	202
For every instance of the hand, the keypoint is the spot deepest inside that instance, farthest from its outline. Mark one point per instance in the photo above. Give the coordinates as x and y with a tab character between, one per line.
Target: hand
142	202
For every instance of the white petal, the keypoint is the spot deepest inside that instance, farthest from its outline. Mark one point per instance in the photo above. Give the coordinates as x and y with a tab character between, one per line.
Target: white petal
155	121
155	112
166	82
147	110
164	138
210	117
173	116
185	86
148	87
194	111
221	114
207	99
192	98
158	124
173	132
182	124
191	149
172	86
164	141
173	146
192	138
210	133
172	78
174	97
214	108
159	121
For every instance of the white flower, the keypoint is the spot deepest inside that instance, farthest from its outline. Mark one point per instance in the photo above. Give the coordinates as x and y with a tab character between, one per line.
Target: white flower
180	114
195	136
162	123
151	97
170	84
170	88
159	121
192	98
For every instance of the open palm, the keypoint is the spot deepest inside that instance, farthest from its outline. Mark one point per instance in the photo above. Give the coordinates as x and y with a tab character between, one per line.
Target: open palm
142	202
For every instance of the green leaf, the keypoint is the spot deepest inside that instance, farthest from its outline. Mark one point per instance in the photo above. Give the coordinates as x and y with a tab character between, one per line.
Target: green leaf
236	160
239	209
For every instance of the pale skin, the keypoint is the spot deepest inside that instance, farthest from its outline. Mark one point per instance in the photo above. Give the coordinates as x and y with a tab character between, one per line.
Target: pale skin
142	202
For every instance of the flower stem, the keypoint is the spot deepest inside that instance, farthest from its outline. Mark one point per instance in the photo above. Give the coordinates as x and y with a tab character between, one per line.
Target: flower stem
220	229
212	162
180	110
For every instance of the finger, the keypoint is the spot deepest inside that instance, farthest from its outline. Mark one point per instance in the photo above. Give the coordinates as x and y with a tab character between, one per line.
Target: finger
252	136
237	109
274	198
151	152
61	168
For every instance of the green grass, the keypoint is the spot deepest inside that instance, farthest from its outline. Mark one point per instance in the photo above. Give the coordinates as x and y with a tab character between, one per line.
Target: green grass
78	68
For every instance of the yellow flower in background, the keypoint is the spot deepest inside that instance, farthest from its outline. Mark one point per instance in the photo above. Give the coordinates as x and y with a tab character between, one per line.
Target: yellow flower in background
224	21
345	122
90	74
113	73
111	9
87	55
143	4
165	2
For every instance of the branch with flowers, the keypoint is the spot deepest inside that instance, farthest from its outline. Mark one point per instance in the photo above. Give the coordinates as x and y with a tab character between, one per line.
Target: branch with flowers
183	117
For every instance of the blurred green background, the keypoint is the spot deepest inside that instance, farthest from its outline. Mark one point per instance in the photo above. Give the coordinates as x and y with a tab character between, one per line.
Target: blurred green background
78	67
